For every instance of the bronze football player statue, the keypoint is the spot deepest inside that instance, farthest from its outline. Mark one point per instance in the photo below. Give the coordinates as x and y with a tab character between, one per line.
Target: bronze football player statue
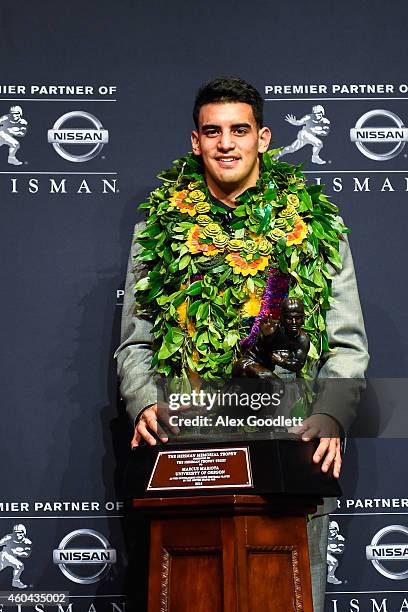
279	343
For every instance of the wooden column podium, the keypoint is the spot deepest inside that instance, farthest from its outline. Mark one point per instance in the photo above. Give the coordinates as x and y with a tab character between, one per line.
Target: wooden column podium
224	544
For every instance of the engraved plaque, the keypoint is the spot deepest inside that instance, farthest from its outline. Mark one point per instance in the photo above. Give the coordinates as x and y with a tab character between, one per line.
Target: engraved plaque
209	468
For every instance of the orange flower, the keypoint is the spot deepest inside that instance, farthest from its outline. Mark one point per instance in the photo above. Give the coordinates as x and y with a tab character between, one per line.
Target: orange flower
298	233
241	266
195	246
177	201
190	327
252	306
182	313
194	377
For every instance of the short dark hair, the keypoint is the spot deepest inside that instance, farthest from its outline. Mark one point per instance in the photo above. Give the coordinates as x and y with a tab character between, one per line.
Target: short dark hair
229	89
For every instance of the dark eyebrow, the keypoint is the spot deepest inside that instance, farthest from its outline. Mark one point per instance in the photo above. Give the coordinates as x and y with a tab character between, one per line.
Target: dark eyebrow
210	126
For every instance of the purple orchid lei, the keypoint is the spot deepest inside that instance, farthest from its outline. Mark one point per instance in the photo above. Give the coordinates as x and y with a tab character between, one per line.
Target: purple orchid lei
276	289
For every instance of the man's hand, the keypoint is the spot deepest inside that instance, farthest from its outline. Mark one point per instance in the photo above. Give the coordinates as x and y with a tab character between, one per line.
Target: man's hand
324	427
152	419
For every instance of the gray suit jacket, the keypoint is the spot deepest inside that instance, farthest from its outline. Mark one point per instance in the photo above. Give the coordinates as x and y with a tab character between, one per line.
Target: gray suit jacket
345	328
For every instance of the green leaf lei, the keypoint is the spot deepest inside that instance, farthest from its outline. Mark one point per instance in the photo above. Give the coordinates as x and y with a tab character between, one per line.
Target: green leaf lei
206	275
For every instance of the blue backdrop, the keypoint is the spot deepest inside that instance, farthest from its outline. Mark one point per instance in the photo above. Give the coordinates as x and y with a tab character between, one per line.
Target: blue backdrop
67	225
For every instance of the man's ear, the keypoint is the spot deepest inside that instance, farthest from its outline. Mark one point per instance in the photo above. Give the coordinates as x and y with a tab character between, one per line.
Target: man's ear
264	138
195	143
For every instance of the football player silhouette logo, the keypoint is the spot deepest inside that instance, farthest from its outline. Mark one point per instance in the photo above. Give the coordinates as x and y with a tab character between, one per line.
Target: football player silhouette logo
335	546
313	126
13	126
15	548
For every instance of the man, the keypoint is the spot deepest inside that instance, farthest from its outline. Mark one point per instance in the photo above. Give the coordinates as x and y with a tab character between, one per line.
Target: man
15	547
229	139
313	126
11	127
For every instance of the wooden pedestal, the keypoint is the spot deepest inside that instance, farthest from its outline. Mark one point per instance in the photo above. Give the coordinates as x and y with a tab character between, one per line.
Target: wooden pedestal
230	553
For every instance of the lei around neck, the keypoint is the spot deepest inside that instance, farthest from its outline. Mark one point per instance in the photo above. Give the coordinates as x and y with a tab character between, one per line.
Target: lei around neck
211	280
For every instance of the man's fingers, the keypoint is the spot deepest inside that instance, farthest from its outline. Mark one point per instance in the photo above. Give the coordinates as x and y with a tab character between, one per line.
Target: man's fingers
337	463
307	431
330	456
310	433
153	424
142	429
321	449
173	428
329	449
150	421
135	440
298	429
164	416
161	433
319	426
333	458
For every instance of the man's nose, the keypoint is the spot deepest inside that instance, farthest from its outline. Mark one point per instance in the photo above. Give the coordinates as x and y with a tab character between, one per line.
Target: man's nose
226	142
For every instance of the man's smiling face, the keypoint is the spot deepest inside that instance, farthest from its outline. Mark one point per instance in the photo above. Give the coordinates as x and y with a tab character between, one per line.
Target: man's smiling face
229	141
